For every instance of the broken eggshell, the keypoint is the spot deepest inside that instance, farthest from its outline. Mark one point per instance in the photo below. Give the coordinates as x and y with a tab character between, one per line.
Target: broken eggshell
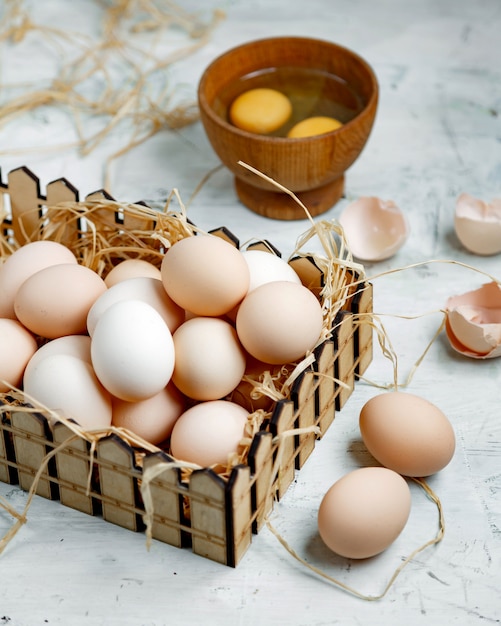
375	229
473	322
478	224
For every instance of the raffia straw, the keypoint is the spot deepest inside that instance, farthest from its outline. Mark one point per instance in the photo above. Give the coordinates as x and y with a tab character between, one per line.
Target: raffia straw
338	583
130	99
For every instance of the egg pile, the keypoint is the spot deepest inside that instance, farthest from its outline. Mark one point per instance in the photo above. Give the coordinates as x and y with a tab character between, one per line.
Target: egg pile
157	350
365	511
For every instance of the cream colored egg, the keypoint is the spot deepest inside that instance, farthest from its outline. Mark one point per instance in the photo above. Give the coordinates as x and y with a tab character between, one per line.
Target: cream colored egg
210	360
207	433
132	350
73	345
24	262
152	419
205	275
17	346
279	322
364	512
265	267
69	386
131	268
144	288
56	300
407	433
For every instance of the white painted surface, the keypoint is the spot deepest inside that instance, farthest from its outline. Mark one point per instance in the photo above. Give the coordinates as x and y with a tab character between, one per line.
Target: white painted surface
437	133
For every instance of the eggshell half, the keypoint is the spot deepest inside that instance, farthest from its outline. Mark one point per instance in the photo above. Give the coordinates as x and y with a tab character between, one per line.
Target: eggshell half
375	229
364	512
473	322
478	224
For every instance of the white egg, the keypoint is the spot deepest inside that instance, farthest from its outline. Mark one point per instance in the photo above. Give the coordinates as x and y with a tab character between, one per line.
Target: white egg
132	350
69	386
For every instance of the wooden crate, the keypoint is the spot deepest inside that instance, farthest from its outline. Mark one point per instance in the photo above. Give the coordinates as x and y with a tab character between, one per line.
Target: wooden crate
216	516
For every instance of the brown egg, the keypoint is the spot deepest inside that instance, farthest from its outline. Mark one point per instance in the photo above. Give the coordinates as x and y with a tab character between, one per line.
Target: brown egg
131	268
364	512
25	262
152	419
17	346
205	275
279	322
56	300
407	433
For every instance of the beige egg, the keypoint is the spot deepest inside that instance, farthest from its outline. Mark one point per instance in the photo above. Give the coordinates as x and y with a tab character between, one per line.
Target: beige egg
364	512
56	300
25	262
407	433
17	346
207	433
69	386
131	268
73	345
152	419
210	360
144	288
205	275
279	322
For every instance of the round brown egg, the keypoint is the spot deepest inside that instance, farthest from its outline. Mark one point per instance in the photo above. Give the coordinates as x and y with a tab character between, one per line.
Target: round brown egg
210	360
152	419
407	433
56	300
25	262
17	346
205	275
207	433
364	512
131	268
279	322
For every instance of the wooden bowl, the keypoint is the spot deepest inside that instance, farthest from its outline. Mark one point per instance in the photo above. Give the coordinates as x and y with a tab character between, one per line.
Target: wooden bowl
311	167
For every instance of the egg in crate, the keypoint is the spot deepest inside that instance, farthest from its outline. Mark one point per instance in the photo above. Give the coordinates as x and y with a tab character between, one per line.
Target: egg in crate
210	360
205	275
68	385
131	268
132	350
279	322
55	301
207	433
23	263
145	288
17	347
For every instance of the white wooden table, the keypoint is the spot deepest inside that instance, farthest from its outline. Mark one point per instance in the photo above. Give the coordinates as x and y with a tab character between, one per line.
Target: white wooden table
437	134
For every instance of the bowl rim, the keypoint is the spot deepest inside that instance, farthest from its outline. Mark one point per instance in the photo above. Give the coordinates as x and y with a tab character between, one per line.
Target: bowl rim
209	111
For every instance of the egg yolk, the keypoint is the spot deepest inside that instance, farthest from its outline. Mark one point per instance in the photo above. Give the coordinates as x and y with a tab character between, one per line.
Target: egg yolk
260	110
314	126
